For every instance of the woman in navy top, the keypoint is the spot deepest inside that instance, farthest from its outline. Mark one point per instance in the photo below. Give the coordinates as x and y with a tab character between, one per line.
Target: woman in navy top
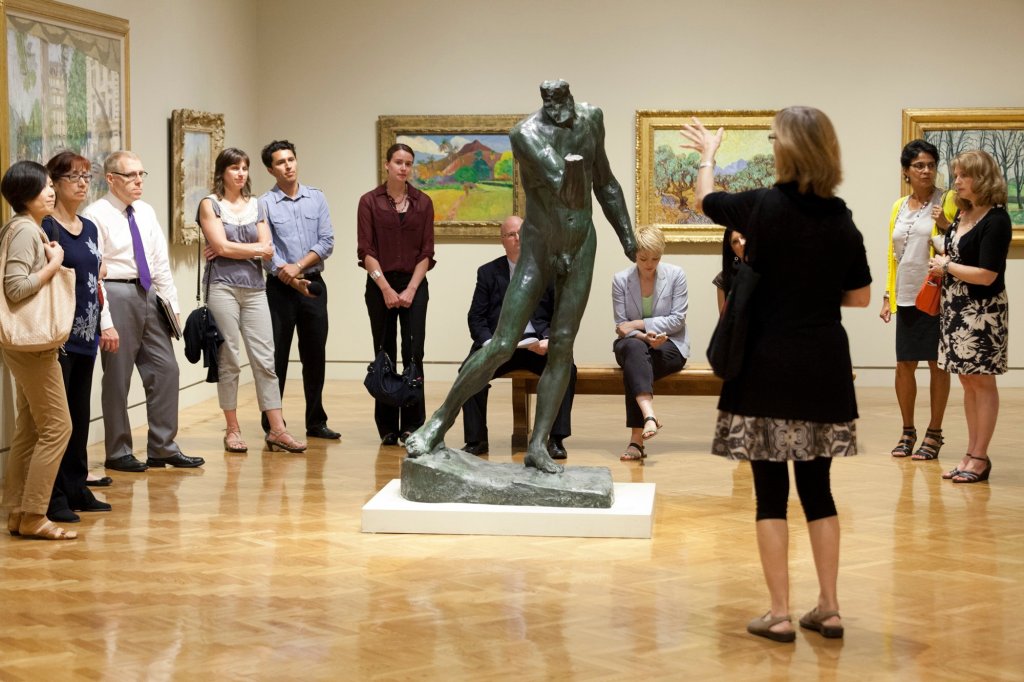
78	237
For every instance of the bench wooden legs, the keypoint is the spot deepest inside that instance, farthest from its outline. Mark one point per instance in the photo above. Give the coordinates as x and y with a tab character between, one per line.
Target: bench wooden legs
520	414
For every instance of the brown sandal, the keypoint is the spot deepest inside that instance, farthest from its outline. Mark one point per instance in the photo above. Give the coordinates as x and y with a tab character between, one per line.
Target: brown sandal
815	620
285	441
233	442
47	530
14	523
762	627
628	456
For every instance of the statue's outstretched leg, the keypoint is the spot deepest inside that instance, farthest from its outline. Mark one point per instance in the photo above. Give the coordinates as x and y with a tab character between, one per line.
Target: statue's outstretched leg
524	293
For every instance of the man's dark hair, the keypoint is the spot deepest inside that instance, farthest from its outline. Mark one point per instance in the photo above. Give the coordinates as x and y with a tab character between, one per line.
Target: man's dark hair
22	183
267	155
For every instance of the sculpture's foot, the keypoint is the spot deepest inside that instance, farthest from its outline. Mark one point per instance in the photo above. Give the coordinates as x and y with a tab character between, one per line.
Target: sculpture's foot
538	458
425	440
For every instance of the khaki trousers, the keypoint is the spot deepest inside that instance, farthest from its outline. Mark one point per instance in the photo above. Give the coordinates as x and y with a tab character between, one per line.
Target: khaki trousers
42	429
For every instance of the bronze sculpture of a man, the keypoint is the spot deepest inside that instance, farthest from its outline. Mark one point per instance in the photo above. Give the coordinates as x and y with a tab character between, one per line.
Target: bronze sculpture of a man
560	150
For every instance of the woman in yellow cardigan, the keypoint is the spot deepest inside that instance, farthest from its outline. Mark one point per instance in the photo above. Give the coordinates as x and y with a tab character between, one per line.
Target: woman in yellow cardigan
915	219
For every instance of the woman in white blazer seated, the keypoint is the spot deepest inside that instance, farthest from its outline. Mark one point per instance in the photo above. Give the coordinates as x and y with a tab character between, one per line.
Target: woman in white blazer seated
649	303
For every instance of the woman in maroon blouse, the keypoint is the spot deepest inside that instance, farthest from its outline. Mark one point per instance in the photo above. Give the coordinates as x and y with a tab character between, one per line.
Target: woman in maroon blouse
396	247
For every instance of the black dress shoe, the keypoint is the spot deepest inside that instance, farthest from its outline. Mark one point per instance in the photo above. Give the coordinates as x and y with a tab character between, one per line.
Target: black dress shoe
322	431
100	482
477	447
125	463
556	450
94	506
64	515
178	460
389	439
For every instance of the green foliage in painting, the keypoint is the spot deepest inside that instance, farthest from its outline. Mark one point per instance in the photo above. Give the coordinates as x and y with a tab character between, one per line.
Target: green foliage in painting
77	114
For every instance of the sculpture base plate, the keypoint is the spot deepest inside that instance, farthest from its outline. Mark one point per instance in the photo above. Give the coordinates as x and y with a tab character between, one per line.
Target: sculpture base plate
451	475
630	517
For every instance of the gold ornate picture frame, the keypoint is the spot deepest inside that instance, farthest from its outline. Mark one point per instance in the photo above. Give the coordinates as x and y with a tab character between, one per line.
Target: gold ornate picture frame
1000	132
665	171
65	77
197	137
465	164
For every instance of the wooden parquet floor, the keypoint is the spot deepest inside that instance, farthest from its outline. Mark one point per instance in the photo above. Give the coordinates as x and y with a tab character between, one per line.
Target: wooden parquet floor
254	568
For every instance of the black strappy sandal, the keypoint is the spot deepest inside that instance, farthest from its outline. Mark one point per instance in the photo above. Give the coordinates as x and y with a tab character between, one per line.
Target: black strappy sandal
628	456
929	450
906	445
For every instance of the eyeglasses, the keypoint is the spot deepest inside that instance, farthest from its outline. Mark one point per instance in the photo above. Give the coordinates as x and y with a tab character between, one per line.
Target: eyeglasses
923	165
771	136
510	235
138	175
78	178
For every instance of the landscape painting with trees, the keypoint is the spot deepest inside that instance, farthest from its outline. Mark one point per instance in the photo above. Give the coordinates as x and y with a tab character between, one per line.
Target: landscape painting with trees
464	163
1006	146
666	170
998	131
65	84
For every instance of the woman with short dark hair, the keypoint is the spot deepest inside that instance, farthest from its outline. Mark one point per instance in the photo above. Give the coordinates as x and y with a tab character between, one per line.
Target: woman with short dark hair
793	399
395	224
913	223
975	309
43	424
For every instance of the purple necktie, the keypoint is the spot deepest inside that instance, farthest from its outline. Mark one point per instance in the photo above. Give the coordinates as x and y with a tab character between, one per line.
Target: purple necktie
140	254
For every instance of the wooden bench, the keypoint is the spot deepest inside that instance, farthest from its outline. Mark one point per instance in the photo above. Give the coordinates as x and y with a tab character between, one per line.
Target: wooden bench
603	380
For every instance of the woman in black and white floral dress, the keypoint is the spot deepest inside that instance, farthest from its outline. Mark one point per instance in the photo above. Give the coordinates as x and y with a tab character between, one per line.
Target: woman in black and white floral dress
975	310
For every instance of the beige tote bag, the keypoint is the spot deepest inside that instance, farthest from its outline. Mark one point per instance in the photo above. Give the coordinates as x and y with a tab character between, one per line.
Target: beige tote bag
41	321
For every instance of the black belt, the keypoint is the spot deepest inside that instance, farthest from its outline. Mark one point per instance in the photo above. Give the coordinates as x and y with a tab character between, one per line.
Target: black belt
123	281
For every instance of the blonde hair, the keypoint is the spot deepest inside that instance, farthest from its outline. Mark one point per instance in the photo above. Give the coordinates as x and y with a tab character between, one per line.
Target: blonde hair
112	163
807	150
650	238
989	184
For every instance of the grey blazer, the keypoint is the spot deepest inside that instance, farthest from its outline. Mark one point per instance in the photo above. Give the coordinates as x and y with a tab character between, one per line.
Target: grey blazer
670	305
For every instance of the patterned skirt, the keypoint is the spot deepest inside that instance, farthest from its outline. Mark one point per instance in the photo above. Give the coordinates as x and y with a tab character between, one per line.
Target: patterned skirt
781	440
975	332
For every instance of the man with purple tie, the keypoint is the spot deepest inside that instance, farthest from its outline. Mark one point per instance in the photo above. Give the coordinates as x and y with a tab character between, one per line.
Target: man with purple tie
134	333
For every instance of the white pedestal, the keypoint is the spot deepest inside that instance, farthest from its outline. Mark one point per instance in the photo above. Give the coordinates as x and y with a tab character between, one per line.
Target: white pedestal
630	517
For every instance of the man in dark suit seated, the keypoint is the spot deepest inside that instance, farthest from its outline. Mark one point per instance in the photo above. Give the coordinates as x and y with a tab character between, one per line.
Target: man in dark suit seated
491	283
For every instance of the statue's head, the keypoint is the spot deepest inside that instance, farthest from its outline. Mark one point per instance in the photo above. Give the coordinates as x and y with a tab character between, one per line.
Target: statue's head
559	105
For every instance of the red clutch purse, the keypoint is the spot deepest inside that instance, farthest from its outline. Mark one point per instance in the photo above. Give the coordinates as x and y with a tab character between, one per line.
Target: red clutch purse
929	295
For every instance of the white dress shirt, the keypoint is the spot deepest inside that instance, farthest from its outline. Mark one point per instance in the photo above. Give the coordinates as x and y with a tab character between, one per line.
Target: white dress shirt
115	244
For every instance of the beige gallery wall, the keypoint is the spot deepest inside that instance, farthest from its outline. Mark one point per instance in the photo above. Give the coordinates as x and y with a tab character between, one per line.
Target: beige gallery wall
319	72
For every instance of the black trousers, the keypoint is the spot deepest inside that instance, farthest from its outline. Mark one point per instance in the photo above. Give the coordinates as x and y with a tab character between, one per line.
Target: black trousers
641	366
474	412
813	485
69	489
291	311
384	326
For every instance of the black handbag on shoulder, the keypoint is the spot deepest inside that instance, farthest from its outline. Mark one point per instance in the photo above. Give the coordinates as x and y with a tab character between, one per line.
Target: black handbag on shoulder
391	388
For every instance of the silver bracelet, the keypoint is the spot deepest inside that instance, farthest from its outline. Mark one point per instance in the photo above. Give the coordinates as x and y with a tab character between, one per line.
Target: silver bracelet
706	164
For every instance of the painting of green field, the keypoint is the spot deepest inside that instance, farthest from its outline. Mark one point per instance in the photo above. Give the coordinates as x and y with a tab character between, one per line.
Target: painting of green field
472	203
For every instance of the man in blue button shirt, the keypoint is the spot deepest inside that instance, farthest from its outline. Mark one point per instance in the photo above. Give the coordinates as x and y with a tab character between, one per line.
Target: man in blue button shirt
300	224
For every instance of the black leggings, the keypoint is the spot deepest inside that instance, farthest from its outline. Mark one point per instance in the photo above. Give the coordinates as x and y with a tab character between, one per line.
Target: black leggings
771	484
